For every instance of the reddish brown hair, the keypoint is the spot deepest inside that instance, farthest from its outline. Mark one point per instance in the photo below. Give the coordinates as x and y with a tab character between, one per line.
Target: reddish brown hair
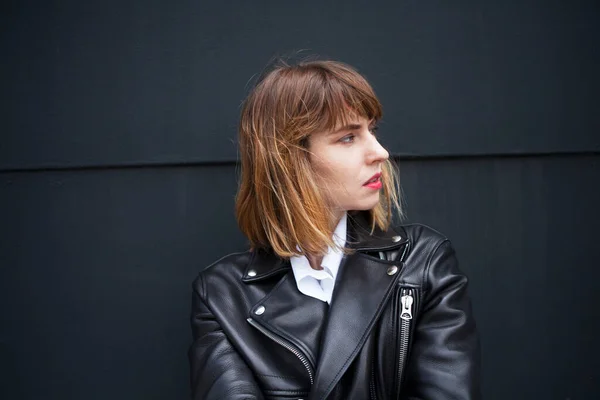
278	205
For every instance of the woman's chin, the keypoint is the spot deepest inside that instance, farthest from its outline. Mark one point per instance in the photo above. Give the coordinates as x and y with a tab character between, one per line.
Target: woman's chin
367	205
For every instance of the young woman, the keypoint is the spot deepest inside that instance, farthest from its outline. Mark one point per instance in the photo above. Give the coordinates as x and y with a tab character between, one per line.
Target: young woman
330	302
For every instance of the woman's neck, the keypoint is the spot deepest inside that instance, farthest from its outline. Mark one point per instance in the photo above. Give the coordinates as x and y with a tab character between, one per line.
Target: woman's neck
336	216
315	260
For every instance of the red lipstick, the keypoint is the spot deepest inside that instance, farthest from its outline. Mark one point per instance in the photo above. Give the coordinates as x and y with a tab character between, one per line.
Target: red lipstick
374	182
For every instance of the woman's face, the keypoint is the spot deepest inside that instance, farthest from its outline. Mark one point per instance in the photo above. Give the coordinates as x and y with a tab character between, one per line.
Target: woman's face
347	162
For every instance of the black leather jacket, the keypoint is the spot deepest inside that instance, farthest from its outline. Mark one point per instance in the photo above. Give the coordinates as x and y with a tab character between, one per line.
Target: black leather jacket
399	326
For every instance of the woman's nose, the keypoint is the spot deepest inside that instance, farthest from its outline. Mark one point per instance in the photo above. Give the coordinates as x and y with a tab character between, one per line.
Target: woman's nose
377	152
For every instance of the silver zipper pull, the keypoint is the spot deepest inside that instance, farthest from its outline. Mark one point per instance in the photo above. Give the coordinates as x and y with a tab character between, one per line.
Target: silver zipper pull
407	302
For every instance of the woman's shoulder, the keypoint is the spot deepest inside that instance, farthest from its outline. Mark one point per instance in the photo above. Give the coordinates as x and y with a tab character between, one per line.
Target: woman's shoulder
421	233
431	256
232	260
230	267
425	244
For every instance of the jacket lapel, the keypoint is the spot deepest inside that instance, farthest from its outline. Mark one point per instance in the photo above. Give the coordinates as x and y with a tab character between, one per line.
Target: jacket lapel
287	312
293	316
362	288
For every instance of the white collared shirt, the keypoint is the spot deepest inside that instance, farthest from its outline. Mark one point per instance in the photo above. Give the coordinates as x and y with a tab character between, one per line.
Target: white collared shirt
319	284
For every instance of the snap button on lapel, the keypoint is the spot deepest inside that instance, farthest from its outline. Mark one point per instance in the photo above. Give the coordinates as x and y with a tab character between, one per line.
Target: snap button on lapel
260	310
392	270
396	239
251	273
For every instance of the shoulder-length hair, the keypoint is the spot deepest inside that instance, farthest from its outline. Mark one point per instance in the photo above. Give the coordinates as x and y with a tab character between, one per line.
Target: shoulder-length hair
279	205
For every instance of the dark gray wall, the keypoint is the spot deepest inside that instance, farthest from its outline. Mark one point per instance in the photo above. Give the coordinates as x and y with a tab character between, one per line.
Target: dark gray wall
117	174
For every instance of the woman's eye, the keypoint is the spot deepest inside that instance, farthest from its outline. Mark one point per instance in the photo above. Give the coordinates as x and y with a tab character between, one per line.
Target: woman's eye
347	138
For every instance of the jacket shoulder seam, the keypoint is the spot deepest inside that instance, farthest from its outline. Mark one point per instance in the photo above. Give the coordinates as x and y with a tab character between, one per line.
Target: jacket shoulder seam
238	253
200	282
429	258
424	226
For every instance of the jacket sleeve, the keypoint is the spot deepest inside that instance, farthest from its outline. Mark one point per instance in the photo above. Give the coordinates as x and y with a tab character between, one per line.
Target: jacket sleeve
217	371
445	355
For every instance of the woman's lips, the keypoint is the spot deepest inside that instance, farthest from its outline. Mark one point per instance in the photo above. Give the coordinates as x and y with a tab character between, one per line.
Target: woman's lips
374	182
374	185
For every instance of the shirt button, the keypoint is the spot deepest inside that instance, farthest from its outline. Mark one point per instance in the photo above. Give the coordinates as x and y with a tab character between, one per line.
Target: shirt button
396	238
251	273
260	310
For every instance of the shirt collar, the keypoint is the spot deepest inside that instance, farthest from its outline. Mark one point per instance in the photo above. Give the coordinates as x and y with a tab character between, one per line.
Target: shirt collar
331	260
334	256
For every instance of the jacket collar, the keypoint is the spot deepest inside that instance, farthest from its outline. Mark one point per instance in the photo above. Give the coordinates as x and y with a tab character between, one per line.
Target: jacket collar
266	264
362	239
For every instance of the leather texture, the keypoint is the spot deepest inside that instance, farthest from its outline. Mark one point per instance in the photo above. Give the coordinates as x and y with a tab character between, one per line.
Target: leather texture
257	337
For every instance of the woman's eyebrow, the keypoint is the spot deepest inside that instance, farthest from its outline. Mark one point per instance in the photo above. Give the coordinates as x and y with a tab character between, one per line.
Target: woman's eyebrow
349	127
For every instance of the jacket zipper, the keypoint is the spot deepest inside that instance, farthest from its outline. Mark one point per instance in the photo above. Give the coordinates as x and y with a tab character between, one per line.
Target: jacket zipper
287	346
373	390
406	315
